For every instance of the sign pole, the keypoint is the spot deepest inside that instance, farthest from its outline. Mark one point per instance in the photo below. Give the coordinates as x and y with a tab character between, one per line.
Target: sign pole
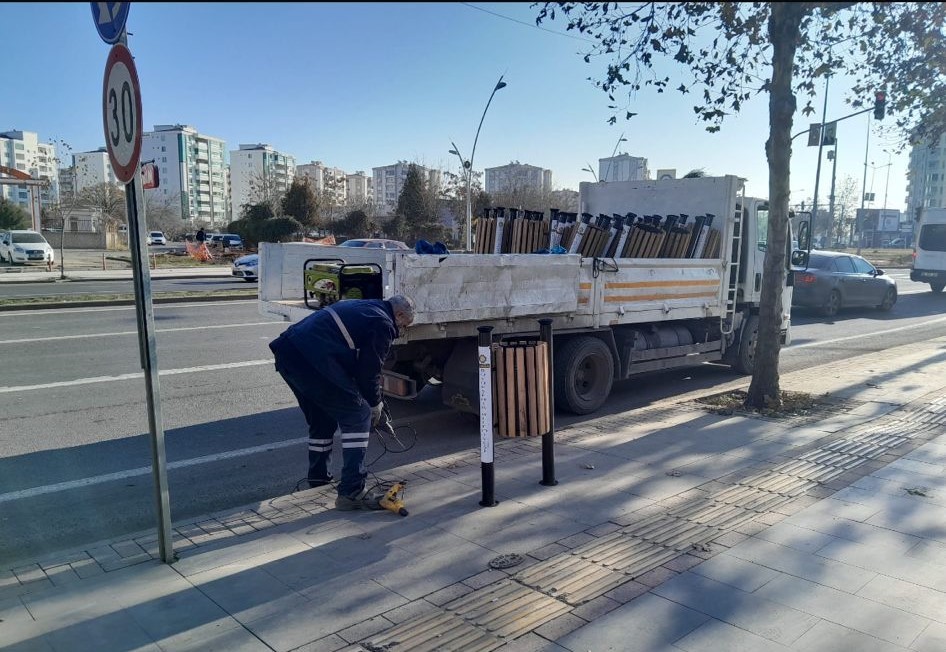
144	310
122	123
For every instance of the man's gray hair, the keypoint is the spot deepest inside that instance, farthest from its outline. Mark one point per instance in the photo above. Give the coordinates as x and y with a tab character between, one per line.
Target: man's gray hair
403	308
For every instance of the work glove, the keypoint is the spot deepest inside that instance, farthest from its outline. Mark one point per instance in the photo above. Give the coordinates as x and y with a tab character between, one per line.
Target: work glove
376	412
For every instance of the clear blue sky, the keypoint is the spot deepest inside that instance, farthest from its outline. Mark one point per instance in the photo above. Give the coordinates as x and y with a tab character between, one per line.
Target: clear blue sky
360	85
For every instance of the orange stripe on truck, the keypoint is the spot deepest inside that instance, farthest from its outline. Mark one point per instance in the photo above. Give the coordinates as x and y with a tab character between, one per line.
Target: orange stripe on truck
658	284
659	297
584	286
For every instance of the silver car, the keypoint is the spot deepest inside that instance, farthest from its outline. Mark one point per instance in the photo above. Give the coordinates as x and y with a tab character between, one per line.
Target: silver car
834	280
246	267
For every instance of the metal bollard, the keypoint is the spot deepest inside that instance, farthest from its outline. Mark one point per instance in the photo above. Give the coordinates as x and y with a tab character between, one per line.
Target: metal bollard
485	362
548	450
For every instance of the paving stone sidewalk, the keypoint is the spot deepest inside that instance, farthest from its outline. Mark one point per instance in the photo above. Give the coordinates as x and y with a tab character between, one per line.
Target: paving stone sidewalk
671	528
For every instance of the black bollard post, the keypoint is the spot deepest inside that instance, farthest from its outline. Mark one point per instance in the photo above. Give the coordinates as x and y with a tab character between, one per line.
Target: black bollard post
485	361
548	446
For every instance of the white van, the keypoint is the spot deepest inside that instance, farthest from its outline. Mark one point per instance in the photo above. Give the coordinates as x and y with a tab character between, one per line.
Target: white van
929	253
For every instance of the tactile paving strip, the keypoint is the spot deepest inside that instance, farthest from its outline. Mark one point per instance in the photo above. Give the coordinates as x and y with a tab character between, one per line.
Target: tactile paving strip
858	448
438	631
507	609
570	578
757	500
779	483
831	458
809	471
879	438
716	514
630	555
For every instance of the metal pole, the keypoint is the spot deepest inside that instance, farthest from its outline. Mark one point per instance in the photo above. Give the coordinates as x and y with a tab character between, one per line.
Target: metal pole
149	362
834	171
485	362
469	221
858	223
469	208
548	438
824	113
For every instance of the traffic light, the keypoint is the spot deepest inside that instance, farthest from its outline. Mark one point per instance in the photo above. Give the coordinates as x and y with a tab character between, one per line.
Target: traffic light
880	104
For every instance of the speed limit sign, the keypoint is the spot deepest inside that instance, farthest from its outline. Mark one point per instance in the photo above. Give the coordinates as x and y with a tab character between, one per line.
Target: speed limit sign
121	112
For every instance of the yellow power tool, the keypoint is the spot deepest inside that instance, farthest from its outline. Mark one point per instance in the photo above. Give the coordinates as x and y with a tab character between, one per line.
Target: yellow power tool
393	500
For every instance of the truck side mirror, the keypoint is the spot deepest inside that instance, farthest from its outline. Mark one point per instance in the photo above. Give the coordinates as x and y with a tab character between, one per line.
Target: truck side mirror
804	236
799	258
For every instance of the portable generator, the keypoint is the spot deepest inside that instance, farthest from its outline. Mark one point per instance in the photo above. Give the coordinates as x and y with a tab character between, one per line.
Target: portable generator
328	281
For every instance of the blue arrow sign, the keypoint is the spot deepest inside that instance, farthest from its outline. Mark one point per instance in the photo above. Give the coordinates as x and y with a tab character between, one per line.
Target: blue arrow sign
110	19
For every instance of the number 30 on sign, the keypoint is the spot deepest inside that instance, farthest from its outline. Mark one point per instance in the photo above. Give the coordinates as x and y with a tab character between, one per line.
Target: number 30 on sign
121	113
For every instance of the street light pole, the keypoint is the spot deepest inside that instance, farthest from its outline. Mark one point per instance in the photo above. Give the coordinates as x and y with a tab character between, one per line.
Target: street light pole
469	166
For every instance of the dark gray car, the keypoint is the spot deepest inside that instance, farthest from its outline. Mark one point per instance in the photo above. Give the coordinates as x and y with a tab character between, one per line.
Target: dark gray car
835	280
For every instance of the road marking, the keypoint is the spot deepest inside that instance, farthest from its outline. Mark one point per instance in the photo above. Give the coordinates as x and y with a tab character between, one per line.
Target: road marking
157	306
145	470
136	375
56	338
858	337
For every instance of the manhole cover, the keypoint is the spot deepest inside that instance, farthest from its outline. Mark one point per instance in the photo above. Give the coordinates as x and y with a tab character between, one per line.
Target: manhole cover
506	561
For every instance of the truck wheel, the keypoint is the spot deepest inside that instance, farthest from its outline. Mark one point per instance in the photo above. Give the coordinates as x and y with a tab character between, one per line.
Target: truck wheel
584	372
935	286
745	357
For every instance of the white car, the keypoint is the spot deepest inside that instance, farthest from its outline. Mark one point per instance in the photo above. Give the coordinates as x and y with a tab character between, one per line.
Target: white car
246	267
157	238
25	247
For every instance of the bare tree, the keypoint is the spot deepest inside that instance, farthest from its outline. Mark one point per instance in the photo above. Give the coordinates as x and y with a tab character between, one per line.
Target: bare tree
734	51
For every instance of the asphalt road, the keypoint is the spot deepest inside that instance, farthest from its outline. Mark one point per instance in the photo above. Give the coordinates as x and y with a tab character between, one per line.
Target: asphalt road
75	458
107	287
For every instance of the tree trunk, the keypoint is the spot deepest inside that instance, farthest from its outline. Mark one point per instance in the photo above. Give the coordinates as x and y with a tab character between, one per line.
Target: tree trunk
784	30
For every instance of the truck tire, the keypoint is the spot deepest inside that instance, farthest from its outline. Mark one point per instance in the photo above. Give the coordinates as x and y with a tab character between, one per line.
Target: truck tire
935	286
745	357
584	373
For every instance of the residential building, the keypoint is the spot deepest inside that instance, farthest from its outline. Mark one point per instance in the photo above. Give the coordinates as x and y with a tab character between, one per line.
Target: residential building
67	182
622	167
193	171
359	188
23	151
517	176
259	172
92	169
388	181
926	177
323	178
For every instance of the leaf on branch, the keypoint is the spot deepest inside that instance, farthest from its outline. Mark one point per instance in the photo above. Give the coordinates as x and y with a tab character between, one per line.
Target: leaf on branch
629	115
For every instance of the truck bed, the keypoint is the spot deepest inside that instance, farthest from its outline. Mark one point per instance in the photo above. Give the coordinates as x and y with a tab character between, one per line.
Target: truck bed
456	293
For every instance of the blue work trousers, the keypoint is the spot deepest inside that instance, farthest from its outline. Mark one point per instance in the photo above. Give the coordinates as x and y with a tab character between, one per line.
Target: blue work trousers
330	406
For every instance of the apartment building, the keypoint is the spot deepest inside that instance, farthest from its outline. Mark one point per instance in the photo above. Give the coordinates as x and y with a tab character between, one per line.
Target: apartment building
23	151
926	177
92	169
259	173
622	167
359	186
517	176
388	181
193	170
324	178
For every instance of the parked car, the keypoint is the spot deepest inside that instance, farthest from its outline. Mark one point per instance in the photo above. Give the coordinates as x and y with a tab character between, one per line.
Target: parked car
246	267
834	280
225	241
375	243
25	246
157	238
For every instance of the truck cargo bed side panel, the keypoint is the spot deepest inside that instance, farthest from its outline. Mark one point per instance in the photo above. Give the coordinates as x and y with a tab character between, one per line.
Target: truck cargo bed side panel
456	288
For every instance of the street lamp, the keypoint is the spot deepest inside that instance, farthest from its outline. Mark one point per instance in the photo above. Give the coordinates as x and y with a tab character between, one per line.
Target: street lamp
468	166
589	169
607	172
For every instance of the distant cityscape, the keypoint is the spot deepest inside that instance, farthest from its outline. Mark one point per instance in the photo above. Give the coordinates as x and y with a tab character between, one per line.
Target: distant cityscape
204	183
